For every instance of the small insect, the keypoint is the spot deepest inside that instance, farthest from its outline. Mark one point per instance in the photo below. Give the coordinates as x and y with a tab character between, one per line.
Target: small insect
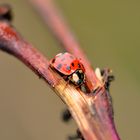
69	67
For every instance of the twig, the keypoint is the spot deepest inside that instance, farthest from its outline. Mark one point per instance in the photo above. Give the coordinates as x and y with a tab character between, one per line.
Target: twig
93	115
12	42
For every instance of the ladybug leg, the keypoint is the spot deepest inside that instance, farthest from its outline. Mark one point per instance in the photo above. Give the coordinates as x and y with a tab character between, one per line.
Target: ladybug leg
83	88
67	79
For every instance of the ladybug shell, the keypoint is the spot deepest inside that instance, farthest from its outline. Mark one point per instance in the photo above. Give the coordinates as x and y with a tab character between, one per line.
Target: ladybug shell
66	63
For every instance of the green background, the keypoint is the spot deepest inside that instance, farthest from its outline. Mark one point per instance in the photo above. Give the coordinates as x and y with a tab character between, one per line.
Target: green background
109	33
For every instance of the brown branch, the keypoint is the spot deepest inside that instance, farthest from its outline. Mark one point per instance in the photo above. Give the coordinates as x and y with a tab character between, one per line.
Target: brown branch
93	114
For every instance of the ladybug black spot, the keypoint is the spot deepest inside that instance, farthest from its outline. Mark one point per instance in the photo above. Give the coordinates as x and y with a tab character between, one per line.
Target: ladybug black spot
59	66
68	67
79	65
72	64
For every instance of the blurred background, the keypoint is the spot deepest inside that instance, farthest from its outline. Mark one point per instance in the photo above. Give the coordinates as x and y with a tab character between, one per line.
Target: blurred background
109	33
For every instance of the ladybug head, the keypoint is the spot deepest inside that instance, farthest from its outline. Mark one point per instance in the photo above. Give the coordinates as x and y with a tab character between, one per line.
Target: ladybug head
78	77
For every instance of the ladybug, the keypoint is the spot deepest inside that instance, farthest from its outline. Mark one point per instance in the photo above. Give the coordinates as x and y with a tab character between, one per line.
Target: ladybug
69	67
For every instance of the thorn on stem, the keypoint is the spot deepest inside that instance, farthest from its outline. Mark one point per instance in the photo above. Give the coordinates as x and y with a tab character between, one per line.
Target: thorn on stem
109	80
66	115
107	77
77	136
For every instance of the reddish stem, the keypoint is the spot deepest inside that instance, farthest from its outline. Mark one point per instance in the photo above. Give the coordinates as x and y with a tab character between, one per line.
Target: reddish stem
12	42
